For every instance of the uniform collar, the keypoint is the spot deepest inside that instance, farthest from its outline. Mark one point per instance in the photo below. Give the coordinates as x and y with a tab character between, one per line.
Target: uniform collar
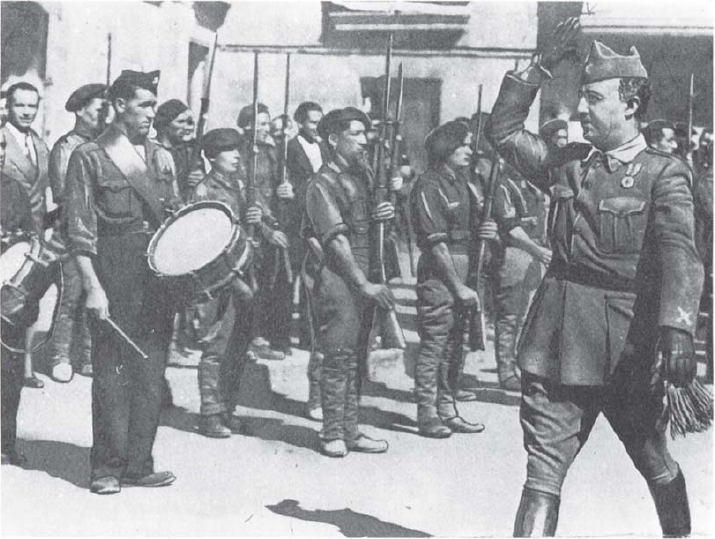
625	153
448	173
222	180
83	131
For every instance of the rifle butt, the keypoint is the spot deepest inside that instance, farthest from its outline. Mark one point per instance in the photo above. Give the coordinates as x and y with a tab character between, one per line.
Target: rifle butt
477	330
391	332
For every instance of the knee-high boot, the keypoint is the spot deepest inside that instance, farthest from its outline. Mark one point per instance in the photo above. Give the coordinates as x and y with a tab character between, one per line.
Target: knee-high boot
671	503
537	515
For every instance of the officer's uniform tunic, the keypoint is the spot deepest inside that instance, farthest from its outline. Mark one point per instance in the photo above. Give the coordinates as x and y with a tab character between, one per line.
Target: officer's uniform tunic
337	202
226	321
443	210
70	323
624	263
108	221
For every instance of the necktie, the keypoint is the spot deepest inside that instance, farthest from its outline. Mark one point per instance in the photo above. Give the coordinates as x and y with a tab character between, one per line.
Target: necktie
28	149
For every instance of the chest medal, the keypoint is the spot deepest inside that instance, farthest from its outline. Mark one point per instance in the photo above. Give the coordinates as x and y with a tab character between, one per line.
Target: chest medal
628	180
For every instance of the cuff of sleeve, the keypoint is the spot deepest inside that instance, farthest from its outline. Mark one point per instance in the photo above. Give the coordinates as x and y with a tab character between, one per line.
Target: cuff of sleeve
437	237
683	319
341	228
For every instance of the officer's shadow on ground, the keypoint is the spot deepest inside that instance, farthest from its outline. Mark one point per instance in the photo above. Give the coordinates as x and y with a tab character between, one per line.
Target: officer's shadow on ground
348	522
62	460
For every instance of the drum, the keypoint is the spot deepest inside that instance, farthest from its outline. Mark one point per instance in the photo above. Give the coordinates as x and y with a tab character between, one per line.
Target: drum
199	250
28	271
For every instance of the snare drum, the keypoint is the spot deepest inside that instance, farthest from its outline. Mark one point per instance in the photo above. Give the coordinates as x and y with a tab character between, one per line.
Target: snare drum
199	250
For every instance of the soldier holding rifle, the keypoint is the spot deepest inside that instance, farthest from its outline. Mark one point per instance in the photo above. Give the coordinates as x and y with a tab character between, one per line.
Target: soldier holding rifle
444	215
336	225
116	195
616	311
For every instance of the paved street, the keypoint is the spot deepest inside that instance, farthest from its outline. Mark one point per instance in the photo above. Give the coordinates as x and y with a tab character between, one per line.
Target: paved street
273	482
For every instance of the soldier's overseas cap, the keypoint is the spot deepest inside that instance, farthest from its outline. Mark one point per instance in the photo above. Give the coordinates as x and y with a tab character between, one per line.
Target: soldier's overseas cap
148	81
550	127
219	140
83	95
441	142
603	63
335	118
168	111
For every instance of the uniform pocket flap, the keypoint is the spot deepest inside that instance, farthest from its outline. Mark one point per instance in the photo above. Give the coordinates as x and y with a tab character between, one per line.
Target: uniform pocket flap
622	205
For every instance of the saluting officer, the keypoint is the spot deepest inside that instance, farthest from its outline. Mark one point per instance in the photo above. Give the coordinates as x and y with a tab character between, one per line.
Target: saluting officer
623	285
444	215
336	223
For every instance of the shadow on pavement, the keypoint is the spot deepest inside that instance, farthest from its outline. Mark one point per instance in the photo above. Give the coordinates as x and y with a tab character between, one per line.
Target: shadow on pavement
62	460
348	522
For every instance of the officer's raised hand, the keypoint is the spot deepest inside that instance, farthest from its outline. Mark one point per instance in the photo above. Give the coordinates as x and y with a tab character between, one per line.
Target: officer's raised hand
378	293
562	45
254	215
675	357
383	212
487	230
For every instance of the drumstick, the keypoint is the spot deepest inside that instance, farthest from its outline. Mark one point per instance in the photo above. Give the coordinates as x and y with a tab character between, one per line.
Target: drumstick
126	337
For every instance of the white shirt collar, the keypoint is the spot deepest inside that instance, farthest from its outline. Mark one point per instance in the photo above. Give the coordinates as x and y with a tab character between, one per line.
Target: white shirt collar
19	135
626	152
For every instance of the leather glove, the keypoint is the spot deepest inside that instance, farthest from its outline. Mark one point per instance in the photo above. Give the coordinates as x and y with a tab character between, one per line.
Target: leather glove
675	357
562	45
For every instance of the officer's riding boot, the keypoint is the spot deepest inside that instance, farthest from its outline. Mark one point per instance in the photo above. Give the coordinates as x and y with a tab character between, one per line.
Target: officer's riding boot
537	515
333	387
505	335
671	503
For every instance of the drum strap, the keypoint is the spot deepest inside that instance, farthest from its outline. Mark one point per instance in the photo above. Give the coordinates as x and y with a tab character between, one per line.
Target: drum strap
134	169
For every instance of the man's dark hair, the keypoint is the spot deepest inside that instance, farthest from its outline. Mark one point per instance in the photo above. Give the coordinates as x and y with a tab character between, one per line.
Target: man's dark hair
333	128
22	85
301	113
245	116
122	89
630	87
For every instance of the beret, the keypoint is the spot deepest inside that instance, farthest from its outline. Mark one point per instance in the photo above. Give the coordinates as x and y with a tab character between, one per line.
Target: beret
168	111
148	81
218	140
245	116
340	116
549	127
441	142
603	63
82	95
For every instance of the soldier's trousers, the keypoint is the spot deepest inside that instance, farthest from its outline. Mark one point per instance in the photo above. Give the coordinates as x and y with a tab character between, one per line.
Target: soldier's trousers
275	299
556	421
70	335
225	335
126	389
315	363
441	357
516	279
12	381
342	324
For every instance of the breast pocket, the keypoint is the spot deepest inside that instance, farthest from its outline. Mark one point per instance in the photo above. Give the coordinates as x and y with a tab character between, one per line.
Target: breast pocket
621	224
115	196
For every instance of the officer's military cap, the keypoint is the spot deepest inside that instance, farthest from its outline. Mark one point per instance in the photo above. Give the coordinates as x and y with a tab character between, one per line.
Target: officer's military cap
441	142
219	140
550	127
168	111
245	116
338	117
603	63
148	81
83	95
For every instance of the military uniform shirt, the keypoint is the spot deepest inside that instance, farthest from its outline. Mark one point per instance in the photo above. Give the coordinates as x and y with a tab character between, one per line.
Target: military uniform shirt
60	158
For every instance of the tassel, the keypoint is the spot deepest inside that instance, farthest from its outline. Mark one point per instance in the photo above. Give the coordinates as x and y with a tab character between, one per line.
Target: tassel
690	408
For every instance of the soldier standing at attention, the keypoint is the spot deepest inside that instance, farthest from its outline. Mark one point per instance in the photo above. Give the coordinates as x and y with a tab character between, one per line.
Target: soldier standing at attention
71	330
444	215
336	224
622	289
231	311
116	193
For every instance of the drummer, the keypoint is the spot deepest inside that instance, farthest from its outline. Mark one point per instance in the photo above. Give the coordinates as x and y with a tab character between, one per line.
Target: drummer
225	322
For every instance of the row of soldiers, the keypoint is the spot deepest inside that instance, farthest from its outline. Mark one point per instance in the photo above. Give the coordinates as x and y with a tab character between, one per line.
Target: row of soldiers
622	288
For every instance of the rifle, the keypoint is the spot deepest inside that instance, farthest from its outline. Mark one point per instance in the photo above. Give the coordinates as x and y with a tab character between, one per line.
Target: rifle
282	255
104	111
195	159
386	321
251	180
477	330
691	99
